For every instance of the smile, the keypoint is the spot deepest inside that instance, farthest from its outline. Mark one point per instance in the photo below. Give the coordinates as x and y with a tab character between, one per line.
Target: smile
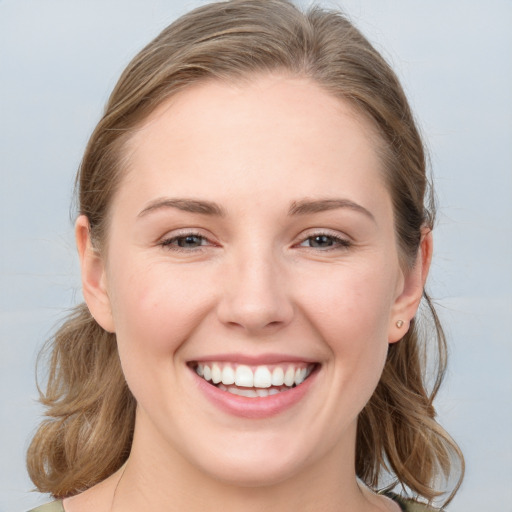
254	381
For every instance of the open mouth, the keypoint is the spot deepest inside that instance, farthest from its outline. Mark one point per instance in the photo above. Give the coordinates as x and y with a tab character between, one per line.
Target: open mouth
254	381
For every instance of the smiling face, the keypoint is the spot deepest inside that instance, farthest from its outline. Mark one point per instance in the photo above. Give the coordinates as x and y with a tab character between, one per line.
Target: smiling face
252	279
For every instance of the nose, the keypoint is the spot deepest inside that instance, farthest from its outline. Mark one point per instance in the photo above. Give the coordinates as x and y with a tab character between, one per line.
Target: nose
254	296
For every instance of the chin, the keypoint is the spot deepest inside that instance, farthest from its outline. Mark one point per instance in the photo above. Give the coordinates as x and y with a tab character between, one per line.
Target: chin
256	460
253	474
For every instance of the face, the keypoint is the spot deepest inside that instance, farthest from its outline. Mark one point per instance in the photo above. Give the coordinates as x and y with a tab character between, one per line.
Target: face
252	278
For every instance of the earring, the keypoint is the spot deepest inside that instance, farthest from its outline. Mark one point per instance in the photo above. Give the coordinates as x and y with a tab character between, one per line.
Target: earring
399	323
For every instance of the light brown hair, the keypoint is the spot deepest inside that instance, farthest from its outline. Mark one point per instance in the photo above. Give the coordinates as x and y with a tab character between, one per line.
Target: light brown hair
88	432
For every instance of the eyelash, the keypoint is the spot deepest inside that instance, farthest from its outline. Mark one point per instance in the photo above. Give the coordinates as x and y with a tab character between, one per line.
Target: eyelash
171	243
340	243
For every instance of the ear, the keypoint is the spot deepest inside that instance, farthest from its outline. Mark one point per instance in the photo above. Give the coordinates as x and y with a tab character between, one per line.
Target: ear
410	293
92	268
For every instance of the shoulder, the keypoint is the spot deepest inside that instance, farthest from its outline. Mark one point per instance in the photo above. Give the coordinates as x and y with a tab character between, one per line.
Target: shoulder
409	505
415	506
54	506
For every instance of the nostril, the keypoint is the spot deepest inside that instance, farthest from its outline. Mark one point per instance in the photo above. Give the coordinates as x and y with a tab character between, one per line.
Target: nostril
252	326
252	319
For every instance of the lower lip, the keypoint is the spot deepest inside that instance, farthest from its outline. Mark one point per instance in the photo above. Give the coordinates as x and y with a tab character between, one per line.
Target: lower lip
257	407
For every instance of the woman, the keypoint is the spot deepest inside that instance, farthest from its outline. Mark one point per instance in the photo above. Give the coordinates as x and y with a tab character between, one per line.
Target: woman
254	246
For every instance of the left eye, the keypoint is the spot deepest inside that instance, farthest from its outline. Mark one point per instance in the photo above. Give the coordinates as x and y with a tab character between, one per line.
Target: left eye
188	241
324	241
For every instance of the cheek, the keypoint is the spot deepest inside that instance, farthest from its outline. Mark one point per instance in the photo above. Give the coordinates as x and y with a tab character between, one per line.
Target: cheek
154	311
349	303
350	311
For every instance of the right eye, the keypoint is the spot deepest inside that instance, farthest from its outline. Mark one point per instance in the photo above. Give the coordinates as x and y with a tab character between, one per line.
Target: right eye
185	242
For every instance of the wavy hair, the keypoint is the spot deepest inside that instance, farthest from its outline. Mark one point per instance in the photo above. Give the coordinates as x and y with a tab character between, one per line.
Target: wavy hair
88	431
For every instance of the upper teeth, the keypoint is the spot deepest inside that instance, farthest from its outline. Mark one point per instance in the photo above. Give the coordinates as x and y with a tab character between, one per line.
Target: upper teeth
257	376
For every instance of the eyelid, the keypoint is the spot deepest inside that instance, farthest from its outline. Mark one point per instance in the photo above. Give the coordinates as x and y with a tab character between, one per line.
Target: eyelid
167	240
344	241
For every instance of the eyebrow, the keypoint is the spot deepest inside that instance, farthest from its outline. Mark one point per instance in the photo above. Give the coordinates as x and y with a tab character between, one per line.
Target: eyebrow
185	205
307	206
302	207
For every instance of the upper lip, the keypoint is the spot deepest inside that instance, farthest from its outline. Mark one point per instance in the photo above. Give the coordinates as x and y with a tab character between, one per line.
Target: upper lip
253	360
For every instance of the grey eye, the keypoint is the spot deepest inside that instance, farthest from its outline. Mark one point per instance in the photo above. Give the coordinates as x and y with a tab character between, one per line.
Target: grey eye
321	241
189	241
325	241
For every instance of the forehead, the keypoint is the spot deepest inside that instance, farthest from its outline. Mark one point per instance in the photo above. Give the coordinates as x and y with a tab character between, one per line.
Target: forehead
219	139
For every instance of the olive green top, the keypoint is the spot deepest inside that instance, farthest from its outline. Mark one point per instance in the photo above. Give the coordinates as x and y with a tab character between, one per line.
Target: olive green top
405	504
54	506
408	505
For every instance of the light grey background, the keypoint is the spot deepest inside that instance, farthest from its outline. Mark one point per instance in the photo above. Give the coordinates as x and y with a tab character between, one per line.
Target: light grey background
60	59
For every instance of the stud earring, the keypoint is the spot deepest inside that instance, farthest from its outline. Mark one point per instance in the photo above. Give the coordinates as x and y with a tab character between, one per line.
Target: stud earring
399	323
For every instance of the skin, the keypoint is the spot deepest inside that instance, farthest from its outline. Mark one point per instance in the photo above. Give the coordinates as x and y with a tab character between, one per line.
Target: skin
256	285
